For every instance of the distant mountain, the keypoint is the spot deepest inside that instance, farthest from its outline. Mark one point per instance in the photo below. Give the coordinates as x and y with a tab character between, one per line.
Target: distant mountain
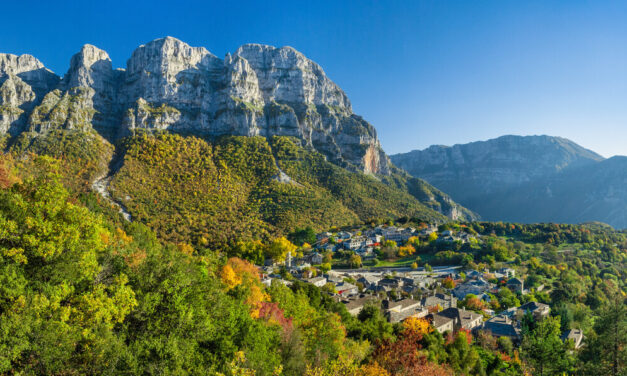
526	179
304	158
594	192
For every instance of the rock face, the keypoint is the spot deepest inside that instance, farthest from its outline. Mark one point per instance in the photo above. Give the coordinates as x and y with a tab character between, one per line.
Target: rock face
526	179
23	83
258	91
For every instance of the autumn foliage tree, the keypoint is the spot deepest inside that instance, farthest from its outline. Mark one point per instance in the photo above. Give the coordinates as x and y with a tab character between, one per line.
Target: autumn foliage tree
279	248
417	325
405	355
406	250
448	282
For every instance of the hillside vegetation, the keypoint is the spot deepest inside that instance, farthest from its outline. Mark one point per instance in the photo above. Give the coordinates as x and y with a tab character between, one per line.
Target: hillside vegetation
188	189
82	295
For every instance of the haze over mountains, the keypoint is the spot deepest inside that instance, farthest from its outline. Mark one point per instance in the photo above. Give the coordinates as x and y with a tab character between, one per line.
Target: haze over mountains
526	179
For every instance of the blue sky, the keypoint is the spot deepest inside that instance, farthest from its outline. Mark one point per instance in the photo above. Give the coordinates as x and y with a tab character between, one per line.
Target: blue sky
423	72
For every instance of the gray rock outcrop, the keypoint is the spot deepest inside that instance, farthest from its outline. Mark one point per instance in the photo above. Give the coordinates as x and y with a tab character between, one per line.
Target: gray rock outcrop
24	81
258	91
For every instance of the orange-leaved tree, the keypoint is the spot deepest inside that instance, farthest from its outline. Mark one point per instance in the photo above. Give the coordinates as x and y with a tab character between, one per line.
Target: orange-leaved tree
238	273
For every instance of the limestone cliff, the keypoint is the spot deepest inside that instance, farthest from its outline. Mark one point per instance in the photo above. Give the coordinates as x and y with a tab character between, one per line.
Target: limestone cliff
257	91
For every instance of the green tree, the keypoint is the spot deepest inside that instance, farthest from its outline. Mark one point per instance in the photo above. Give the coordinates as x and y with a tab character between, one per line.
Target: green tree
252	250
606	351
507	298
543	350
302	235
354	261
461	356
372	326
505	344
60	290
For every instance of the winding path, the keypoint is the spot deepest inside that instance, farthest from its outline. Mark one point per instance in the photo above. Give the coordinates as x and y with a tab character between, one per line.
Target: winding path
101	185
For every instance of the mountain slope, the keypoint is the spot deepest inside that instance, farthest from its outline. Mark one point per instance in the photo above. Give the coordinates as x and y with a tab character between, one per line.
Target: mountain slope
525	179
258	91
170	86
595	192
186	188
214	193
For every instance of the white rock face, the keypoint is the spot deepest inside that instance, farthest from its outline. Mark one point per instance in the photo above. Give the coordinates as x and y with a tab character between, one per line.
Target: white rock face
287	76
91	69
259	90
16	98
23	83
28	69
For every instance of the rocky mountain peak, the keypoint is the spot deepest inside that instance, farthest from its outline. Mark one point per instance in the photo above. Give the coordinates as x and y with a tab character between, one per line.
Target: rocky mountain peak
280	70
88	56
168	56
259	90
23	83
13	64
30	70
89	67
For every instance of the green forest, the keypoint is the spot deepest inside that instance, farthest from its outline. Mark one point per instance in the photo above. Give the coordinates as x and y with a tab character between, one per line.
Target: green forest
175	291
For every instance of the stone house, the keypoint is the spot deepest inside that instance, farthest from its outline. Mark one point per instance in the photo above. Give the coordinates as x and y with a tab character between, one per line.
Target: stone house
442	323
502	326
576	335
355	305
516	285
462	318
539	310
397	311
442	300
317	281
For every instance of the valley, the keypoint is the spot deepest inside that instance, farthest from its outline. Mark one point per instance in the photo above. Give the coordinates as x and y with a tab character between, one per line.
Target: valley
189	214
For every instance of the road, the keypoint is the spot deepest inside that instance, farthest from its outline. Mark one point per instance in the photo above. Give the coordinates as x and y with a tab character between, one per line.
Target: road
437	271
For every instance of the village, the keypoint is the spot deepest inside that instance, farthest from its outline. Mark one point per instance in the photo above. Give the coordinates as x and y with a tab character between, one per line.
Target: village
450	298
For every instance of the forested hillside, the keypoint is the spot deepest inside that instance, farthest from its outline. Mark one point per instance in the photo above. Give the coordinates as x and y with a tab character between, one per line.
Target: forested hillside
188	189
85	295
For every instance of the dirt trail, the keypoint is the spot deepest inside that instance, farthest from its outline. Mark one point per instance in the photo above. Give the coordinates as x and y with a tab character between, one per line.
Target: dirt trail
101	185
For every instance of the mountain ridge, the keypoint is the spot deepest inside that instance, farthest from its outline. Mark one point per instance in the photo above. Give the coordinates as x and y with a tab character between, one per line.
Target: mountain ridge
93	115
514	178
167	84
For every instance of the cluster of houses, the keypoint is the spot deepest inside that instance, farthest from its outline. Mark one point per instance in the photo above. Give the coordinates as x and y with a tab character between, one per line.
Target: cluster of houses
423	296
364	242
416	293
476	283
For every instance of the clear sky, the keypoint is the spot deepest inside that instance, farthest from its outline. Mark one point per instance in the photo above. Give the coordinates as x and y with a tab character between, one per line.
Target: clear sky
423	72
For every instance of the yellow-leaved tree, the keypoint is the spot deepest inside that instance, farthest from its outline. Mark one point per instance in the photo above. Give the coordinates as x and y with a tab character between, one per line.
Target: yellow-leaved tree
279	248
417	325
